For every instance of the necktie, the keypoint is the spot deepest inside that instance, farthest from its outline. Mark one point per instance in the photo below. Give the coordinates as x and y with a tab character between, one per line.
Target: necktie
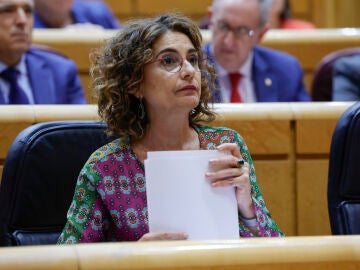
17	95
234	79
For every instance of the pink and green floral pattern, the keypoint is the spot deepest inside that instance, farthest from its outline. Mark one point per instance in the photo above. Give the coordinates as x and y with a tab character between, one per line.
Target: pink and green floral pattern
109	202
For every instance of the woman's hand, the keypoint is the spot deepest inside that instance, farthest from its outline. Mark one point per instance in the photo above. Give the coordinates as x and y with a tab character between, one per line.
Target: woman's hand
231	174
163	236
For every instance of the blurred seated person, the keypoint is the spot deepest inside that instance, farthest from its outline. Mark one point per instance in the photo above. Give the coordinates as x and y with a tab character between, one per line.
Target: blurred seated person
346	79
280	17
73	14
246	71
153	97
30	75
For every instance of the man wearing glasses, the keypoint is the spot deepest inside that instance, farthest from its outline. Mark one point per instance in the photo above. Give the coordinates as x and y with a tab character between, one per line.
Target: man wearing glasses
246	71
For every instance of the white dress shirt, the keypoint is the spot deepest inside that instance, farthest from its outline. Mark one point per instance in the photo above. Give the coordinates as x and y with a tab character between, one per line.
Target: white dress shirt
245	87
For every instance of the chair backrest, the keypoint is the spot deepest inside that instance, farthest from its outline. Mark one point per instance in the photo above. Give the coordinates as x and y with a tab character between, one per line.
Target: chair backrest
39	177
321	88
344	174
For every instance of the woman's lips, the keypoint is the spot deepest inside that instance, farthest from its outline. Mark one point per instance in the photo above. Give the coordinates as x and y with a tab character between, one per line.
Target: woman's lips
189	87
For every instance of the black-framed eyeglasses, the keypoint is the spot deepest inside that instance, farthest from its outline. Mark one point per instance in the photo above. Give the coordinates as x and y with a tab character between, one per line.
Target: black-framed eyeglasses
173	61
239	32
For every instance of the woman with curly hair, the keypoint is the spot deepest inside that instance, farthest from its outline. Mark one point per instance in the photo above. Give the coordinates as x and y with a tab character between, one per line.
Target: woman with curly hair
153	93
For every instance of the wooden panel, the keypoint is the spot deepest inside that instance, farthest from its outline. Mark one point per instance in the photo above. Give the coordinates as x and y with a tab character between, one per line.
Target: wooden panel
315	123
313	216
327	13
301	7
120	8
265	137
295	253
13	119
8	132
308	77
85	81
323	13
277	184
186	6
314	136
347	13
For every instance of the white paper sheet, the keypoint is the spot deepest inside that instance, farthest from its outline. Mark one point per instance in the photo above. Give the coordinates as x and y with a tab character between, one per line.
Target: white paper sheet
181	199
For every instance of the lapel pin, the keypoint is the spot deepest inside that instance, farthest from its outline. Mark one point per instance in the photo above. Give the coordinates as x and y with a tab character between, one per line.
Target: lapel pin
268	82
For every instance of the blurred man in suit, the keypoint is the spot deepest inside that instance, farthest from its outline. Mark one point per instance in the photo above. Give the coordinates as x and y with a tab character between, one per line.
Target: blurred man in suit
29	75
246	71
346	79
70	13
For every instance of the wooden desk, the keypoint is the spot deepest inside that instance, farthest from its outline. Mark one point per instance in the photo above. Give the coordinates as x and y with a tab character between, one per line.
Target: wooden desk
289	143
295	253
308	46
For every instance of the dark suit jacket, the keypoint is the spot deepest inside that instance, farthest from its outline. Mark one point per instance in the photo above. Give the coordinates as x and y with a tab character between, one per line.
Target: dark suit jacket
87	12
54	78
346	79
283	70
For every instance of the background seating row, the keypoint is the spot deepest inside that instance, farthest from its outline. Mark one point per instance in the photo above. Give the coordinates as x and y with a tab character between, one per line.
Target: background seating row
289	143
323	13
309	47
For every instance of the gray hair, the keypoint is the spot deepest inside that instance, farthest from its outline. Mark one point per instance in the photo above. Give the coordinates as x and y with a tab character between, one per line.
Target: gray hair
264	9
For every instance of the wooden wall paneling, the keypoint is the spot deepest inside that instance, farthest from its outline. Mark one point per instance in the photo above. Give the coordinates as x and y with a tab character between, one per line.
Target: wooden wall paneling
277	184
263	137
194	9
13	119
327	13
312	211
314	129
315	123
314	136
301	10
323	13
347	13
123	7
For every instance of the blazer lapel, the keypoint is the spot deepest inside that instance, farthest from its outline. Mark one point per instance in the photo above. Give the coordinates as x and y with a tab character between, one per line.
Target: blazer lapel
265	83
41	80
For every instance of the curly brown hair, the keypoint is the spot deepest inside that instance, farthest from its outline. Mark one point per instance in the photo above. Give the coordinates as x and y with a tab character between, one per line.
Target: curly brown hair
118	68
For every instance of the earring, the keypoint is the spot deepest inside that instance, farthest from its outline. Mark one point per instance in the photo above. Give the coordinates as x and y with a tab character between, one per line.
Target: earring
141	109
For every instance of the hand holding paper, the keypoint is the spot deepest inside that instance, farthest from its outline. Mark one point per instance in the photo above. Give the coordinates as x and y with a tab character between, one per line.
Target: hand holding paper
181	199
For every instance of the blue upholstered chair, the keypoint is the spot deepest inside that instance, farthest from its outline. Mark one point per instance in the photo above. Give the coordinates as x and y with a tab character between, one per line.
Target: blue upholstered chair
344	174
39	177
